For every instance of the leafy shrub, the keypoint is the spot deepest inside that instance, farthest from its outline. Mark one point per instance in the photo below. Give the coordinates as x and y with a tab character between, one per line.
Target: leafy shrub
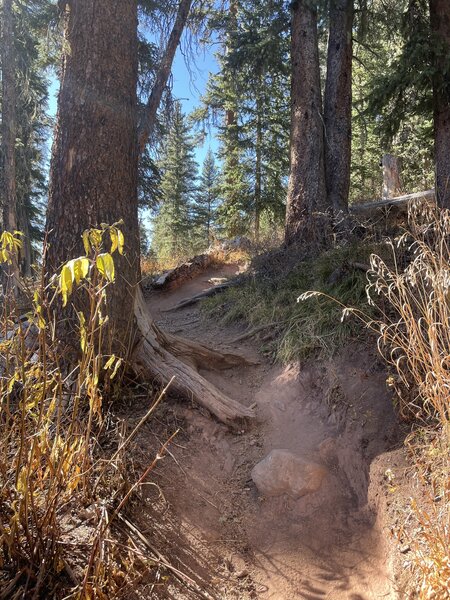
52	466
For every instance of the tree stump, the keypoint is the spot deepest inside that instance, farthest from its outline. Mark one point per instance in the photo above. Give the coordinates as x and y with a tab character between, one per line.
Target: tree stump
392	183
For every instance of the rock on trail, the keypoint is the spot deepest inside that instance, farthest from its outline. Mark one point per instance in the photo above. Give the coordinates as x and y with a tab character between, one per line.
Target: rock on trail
281	472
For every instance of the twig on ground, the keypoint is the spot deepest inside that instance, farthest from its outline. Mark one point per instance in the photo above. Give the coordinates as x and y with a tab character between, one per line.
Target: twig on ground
164	562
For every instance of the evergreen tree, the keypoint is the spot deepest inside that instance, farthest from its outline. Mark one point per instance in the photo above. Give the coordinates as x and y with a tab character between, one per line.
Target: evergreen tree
392	88
172	238
206	202
306	200
251	91
30	23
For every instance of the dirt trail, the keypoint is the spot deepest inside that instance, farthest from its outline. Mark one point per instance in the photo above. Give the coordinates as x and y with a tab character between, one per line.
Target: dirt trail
209	517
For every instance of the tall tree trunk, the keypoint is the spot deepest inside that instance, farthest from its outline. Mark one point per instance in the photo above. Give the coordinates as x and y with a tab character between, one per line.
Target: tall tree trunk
338	109
25	254
440	25
149	118
208	221
93	173
230	113
23	219
258	168
10	273
94	180
306	198
232	195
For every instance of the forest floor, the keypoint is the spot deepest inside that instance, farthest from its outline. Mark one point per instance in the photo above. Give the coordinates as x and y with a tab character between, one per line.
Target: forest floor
202	510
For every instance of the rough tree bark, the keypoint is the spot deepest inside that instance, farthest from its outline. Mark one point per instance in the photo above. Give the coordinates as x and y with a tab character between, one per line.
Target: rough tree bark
338	109
392	183
94	180
93	172
149	117
258	167
440	25
10	273
306	198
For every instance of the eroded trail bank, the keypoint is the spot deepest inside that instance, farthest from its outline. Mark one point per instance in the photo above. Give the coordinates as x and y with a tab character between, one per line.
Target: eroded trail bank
232	540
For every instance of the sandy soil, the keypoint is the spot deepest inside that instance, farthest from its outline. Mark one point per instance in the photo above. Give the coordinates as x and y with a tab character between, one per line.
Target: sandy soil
203	510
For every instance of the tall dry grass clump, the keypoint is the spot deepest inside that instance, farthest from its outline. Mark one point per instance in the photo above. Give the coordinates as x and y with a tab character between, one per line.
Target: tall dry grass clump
413	299
409	296
61	491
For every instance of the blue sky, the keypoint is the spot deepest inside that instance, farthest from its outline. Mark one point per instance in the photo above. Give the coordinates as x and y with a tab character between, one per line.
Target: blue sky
190	83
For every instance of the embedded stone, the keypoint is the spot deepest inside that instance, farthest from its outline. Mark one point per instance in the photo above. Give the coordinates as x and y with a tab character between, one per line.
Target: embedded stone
281	472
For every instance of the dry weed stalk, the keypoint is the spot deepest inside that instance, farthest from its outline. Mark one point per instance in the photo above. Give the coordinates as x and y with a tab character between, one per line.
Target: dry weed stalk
414	337
413	300
59	492
411	295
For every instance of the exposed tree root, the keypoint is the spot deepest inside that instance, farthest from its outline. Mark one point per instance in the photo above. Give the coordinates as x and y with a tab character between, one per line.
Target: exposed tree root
201	356
163	356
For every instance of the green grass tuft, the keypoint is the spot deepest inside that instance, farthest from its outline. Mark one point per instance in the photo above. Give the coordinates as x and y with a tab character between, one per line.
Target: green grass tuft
304	328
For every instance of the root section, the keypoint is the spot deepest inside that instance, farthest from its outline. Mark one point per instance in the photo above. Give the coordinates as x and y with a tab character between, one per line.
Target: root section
163	357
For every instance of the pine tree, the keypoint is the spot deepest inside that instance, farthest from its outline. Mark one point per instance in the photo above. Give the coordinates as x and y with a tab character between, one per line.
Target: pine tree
94	176
393	99
440	27
206	202
172	238
306	200
10	279
337	112
29	87
252	93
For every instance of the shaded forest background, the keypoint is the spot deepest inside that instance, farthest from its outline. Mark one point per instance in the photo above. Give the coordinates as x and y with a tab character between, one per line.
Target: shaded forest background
242	189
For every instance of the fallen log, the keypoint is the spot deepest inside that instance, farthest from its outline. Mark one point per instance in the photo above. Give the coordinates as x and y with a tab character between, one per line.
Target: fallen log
183	272
400	201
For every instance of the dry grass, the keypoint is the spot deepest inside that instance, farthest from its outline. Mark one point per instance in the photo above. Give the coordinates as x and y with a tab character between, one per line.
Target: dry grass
414	338
64	471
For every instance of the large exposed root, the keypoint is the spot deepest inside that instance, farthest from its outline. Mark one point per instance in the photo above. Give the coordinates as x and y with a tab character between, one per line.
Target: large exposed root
199	355
164	356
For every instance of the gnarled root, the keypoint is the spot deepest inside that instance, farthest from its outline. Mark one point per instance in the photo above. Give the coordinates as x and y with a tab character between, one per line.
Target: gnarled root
163	356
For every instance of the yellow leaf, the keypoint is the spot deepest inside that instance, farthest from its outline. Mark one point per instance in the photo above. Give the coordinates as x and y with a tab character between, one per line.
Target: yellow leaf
95	237
79	267
12	381
86	244
116	368
105	265
109	363
22	481
121	241
114	239
65	283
